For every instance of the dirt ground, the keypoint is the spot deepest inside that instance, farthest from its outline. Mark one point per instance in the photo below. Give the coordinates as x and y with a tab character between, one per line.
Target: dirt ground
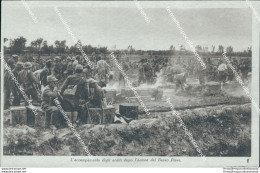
218	131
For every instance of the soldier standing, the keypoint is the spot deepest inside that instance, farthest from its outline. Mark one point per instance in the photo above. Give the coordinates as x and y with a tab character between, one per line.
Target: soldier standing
14	89
57	67
69	66
222	72
7	84
102	71
28	81
141	75
244	68
96	95
75	90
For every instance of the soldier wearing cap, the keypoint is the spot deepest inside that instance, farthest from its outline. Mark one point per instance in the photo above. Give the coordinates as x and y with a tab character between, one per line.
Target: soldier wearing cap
48	105
81	94
28	81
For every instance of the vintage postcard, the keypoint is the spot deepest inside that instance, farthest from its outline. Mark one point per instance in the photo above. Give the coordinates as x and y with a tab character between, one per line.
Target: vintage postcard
130	83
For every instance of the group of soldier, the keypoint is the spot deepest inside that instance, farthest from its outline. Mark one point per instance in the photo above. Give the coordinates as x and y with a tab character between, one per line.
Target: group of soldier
79	87
74	83
177	70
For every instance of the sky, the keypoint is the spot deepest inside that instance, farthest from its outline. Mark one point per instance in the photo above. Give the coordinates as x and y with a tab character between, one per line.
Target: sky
121	26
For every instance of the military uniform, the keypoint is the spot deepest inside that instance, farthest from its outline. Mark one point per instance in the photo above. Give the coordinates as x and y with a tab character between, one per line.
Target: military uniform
69	68
47	97
148	71
14	88
102	71
96	95
141	76
202	76
244	68
43	76
7	90
121	77
82	89
180	80
26	78
57	68
48	105
222	69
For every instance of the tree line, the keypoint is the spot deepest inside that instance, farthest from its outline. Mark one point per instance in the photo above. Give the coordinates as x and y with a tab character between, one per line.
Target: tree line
41	46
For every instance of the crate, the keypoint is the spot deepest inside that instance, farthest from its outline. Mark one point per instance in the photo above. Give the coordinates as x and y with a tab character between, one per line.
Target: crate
7	117
109	115
18	115
95	115
38	119
102	116
129	111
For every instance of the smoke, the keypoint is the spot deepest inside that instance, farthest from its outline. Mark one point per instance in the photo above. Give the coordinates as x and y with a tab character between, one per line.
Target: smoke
236	90
160	81
112	85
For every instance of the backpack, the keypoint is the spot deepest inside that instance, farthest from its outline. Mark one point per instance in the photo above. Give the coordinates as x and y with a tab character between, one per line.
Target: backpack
71	90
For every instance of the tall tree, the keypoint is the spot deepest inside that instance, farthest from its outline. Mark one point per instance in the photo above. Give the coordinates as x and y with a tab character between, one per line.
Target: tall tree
18	45
38	42
5	40
220	49
229	50
45	48
213	49
60	46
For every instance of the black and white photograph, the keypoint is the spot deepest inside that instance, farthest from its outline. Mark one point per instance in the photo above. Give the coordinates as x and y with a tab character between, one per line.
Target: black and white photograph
128	78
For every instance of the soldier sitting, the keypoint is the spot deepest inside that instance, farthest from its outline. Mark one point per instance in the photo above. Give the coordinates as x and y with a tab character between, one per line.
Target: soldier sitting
48	105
